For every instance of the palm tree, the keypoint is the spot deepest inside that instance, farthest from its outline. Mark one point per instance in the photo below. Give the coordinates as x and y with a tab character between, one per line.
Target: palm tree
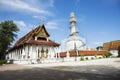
7	35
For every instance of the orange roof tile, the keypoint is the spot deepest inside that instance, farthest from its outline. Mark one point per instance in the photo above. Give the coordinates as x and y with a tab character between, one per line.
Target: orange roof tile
29	39
85	53
52	43
113	45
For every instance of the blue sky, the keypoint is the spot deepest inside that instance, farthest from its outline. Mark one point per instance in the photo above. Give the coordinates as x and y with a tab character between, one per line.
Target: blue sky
98	21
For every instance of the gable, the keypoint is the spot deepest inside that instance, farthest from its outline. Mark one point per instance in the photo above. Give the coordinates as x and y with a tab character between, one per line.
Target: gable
39	35
42	33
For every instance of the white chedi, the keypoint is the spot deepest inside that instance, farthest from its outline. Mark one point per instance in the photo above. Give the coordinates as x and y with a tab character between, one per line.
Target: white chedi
73	40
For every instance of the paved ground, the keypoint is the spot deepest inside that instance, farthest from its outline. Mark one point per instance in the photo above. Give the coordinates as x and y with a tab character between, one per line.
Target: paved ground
104	69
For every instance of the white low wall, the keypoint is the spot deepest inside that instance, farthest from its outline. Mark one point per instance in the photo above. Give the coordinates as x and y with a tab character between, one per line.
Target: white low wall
67	59
114	52
53	60
34	61
17	61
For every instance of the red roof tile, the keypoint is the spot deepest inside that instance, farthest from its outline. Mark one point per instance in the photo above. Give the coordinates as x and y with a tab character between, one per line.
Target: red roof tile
113	45
52	43
85	53
29	39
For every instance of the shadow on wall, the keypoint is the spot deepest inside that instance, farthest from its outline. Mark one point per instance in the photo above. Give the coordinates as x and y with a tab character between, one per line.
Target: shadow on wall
11	61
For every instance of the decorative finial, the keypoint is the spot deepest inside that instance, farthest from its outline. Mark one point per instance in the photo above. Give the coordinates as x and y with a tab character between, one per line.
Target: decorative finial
39	24
72	17
72	14
42	22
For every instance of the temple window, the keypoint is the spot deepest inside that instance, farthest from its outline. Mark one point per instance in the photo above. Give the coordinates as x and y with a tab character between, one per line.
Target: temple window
41	38
46	53
42	51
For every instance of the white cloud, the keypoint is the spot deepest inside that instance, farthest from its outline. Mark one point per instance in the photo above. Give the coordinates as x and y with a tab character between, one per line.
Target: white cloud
22	5
77	1
20	23
98	43
102	32
22	26
52	25
47	3
40	17
37	17
41	3
56	24
81	18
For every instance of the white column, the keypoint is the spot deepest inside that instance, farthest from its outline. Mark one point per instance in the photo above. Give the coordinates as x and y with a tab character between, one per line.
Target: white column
58	49
40	48
23	53
17	54
14	54
54	55
28	53
56	52
37	52
67	54
11	55
20	54
49	54
31	52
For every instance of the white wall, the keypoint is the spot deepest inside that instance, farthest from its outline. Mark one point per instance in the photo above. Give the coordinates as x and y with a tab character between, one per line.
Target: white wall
114	52
20	55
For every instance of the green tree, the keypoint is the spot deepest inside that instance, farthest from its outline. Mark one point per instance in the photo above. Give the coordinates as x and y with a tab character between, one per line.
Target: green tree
119	51
8	31
99	48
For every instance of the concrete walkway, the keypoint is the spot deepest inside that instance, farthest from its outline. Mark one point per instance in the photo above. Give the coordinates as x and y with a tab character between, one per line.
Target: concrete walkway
100	69
114	62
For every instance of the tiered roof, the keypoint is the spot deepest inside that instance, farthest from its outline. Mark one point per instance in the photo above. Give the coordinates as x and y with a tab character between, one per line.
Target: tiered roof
29	38
113	45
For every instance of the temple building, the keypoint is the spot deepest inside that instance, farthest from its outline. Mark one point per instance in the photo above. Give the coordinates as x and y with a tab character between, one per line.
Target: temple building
73	40
75	45
112	47
34	47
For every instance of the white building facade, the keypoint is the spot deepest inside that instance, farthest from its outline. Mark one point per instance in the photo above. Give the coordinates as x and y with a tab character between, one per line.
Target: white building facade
34	47
112	47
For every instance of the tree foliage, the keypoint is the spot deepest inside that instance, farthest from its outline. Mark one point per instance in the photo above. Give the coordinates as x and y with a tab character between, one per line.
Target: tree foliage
99	48
8	31
119	51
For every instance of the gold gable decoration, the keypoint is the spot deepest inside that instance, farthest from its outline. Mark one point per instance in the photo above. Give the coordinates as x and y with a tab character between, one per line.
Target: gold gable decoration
42	33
